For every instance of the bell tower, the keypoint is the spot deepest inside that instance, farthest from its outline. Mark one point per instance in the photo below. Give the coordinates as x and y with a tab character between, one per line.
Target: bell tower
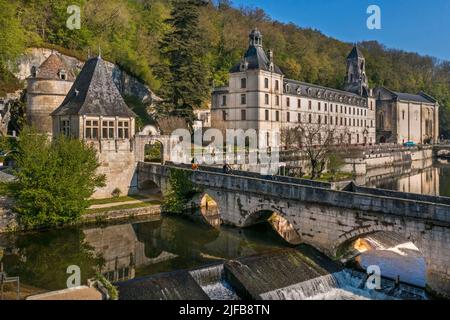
356	78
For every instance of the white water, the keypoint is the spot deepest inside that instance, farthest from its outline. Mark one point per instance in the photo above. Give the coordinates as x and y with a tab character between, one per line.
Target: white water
220	291
344	285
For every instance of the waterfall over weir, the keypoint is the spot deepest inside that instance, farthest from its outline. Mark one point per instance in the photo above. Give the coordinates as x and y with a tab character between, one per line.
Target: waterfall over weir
212	282
344	285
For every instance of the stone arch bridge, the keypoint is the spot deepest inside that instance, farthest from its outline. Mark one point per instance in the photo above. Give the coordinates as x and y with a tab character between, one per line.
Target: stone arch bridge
327	218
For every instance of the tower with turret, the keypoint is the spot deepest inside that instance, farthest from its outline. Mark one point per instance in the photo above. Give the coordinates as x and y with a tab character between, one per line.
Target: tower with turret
47	88
356	79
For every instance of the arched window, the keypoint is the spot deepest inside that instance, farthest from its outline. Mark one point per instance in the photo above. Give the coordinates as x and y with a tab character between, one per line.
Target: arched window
33	71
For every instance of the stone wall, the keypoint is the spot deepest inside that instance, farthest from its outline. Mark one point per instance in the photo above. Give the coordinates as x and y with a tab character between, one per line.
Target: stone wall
326	218
127	84
117	161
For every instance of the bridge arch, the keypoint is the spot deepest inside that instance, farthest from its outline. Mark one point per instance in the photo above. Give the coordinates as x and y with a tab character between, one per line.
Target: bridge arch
406	242
210	208
279	221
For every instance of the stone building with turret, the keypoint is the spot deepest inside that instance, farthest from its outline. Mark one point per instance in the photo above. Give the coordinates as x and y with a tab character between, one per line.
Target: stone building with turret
95	112
47	87
260	97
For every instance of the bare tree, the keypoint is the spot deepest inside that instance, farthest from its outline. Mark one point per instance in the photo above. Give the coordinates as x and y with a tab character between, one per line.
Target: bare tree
317	141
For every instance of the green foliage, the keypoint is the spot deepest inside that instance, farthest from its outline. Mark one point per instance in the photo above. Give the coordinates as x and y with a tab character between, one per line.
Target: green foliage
42	259
116	193
184	72
335	162
54	179
186	46
153	153
12	36
182	190
112	290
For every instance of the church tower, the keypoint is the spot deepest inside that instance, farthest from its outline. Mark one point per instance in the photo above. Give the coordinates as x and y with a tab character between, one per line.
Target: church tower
356	78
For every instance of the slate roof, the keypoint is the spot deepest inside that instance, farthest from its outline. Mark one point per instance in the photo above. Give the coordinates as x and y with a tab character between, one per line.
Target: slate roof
303	89
421	97
355	53
256	58
94	93
51	68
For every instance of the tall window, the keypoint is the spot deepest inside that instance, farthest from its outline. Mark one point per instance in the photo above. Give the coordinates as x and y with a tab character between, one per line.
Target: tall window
403	115
299	118
309	104
299	103
65	127
91	129
288	117
243	115
243	99
243	83
224	101
123	130
288	102
267	99
319	120
319	106
266	83
224	115
326	107
108	129
277	116
277	100
331	107
267	115
310	118
277	85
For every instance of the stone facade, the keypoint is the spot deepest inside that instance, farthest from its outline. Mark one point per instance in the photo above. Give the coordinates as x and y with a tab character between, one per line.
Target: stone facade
95	112
403	117
47	88
326	218
260	97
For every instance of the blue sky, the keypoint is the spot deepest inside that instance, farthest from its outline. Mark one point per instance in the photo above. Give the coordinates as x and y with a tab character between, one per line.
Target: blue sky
421	26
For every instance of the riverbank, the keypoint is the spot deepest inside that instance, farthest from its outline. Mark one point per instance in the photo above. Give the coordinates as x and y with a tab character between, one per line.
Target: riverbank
120	211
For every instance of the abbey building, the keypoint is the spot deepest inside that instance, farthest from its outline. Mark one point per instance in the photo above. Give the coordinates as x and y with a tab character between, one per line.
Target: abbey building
260	97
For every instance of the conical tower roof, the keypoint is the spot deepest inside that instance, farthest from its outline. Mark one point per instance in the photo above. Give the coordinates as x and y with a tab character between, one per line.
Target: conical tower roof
355	53
51	68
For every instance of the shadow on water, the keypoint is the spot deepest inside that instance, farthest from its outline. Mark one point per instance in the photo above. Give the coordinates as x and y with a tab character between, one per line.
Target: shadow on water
128	250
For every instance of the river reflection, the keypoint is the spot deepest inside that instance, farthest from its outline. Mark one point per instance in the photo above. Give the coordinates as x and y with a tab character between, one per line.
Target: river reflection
126	251
434	180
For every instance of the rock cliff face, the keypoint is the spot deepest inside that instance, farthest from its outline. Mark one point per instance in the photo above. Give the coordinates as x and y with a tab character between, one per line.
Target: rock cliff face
127	84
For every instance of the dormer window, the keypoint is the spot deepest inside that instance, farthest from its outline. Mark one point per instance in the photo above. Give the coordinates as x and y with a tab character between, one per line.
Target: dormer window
33	72
62	74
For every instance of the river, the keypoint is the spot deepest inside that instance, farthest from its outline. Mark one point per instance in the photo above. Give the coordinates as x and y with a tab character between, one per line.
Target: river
137	249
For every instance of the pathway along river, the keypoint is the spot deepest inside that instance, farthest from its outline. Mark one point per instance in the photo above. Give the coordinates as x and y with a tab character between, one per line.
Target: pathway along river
133	250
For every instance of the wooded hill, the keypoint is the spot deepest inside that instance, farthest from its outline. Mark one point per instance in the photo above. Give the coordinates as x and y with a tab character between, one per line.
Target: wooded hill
134	34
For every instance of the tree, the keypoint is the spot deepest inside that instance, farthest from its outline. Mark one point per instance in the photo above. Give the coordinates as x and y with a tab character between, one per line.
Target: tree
316	140
184	73
54	178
